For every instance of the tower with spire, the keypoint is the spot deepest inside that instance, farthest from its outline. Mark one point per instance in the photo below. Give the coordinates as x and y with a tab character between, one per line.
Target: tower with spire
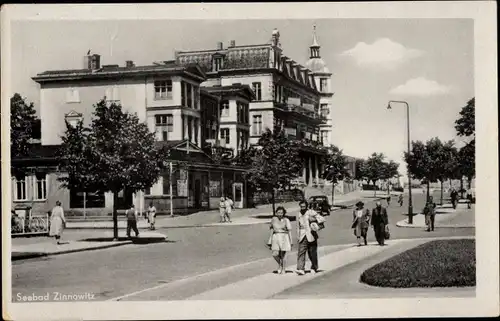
322	77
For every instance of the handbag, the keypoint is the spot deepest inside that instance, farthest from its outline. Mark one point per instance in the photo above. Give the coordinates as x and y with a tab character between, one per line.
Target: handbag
387	234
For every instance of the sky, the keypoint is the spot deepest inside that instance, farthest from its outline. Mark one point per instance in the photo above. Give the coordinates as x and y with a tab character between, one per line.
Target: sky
427	62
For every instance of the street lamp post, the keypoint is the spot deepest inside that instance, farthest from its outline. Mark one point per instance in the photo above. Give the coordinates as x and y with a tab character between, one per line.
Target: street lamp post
410	204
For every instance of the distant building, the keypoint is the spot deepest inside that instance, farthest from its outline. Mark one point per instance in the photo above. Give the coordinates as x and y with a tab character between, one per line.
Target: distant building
169	99
288	95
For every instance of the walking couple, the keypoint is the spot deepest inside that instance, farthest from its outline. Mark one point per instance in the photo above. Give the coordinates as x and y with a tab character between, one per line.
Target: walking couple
378	219
309	222
225	209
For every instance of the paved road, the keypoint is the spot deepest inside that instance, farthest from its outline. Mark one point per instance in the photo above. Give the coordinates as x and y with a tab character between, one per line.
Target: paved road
120	271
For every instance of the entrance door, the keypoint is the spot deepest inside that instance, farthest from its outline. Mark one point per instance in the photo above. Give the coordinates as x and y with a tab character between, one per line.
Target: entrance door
238	195
197	193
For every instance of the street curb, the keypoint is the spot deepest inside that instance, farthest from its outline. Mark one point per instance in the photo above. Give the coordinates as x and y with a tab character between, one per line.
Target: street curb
30	255
404	224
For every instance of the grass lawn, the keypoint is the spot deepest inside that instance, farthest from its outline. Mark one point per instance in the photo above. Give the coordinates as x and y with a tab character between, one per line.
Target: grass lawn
442	263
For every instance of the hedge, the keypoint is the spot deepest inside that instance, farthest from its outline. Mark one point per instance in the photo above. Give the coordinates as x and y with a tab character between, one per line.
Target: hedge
442	263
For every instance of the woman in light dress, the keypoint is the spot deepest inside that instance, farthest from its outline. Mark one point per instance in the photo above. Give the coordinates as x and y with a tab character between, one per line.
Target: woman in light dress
152	216
222	209
280	240
360	222
57	222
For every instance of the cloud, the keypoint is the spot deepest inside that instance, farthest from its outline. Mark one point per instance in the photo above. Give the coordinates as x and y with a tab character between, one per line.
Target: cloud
420	87
383	53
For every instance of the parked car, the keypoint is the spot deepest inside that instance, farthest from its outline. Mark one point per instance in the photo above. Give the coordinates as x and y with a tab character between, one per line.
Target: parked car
320	204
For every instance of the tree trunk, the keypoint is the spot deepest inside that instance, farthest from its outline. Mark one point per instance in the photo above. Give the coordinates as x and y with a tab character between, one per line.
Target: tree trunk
388	188
441	192
428	189
333	193
115	216
461	187
374	189
272	199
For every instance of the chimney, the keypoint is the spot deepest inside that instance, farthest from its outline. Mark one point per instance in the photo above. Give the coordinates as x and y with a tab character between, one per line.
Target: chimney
129	64
95	62
220	46
87	62
232	44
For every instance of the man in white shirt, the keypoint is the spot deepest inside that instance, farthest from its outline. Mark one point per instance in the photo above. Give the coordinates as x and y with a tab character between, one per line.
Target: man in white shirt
307	239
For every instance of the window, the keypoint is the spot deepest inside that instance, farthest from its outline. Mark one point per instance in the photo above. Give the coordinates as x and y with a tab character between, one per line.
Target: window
189	95
166	184
225	109
257	125
147	191
40	187
224	135
256	86
163	89
217	63
163	125
323	84
20	191
324	136
196	130
325	111
73	96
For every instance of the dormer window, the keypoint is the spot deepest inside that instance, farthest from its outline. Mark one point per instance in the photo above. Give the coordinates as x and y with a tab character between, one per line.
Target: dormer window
73	118
217	62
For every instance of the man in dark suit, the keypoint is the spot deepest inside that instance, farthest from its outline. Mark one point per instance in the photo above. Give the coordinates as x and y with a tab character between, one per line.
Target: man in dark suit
379	221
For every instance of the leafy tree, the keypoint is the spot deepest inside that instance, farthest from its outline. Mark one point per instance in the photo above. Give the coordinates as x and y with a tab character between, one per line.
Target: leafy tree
22	120
275	163
119	153
467	161
432	162
389	170
335	167
447	163
359	166
373	169
465	125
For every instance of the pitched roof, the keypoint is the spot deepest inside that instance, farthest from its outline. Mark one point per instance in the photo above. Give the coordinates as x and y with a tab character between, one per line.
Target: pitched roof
108	71
240	57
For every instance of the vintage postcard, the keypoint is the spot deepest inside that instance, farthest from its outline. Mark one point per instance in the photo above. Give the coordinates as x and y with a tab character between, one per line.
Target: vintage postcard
249	160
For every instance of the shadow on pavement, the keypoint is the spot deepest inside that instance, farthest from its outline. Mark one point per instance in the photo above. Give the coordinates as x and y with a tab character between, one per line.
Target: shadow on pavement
135	240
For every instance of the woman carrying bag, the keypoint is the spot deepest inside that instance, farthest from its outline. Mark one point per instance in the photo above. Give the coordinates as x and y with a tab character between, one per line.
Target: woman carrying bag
360	222
280	240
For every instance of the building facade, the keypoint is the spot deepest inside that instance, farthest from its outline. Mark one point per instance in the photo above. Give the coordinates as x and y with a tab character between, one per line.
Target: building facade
287	95
169	99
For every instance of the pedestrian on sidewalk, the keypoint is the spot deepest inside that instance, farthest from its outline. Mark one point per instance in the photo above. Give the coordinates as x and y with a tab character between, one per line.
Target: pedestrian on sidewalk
229	207
469	198
222	210
400	200
152	216
388	199
131	214
280	240
360	222
379	222
430	214
454	198
57	222
307	238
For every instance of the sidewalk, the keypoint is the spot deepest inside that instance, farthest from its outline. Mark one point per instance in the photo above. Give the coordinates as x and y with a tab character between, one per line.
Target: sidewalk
39	249
446	217
198	219
271	285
